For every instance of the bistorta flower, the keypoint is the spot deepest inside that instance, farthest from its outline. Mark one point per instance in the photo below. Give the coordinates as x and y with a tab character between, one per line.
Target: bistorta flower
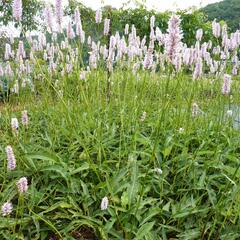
11	160
78	22
8	51
24	118
7	209
106	26
158	170
17	10
14	125
181	130
173	44
229	113
199	34
126	30
70	32
104	203
198	69
216	28
143	117
226	88
22	185
195	109
8	70
98	16
49	19
82	75
152	22
59	13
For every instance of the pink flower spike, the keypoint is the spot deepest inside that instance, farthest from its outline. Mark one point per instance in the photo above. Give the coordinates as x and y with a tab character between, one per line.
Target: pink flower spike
226	88
10	158
22	185
17	10
7	209
24	118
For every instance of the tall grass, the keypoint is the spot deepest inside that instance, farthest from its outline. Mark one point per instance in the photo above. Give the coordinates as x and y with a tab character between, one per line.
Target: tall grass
80	147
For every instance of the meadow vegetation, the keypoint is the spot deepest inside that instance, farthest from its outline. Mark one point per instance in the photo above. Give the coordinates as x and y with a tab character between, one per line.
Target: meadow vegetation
141	141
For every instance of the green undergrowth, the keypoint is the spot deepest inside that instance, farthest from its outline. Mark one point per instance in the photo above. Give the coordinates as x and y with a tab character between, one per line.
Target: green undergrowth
86	140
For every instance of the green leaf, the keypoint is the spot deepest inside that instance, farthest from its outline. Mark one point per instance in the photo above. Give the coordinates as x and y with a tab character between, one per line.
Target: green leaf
190	234
57	169
56	206
151	213
166	207
133	186
124	199
143	230
85	166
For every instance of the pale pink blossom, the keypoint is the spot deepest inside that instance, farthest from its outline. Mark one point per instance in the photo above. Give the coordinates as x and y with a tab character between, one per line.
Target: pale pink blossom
126	29
17	10
173	44
59	14
226	88
10	158
106	26
70	32
104	203
14	125
98	16
199	34
22	185
216	28
152	22
198	69
49	18
7	209
25	118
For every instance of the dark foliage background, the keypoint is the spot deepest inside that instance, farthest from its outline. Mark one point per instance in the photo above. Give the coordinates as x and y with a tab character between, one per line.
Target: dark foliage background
227	10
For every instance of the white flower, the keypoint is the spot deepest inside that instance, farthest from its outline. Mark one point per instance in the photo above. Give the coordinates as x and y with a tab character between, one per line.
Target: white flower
14	124
195	109
143	117
181	130
104	203
83	75
158	170
229	113
15	88
199	34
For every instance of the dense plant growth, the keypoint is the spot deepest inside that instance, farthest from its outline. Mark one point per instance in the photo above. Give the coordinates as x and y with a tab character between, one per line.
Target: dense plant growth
136	140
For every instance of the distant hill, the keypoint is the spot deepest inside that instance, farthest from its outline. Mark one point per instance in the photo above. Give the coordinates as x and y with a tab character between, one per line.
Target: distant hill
227	10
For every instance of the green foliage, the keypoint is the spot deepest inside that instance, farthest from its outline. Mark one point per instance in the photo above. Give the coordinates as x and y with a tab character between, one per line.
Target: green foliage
227	10
79	148
193	21
31	9
86	139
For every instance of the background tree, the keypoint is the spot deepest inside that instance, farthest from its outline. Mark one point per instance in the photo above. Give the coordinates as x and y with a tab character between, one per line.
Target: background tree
227	10
31	10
